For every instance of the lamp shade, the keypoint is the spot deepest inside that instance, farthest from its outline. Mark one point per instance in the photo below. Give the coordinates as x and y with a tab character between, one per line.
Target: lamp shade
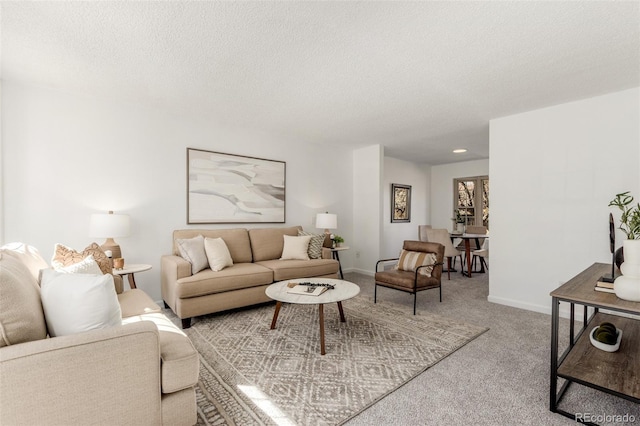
109	225
326	220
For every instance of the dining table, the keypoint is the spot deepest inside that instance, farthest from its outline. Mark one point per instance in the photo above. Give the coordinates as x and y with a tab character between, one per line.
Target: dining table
467	248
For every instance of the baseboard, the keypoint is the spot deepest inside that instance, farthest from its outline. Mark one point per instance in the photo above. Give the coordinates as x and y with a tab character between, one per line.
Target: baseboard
521	305
359	271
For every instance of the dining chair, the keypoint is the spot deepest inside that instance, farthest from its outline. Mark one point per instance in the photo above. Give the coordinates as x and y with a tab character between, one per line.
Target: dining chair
473	229
422	232
483	255
441	236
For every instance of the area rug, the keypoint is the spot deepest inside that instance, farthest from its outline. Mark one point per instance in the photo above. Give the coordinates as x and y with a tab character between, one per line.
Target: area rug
251	375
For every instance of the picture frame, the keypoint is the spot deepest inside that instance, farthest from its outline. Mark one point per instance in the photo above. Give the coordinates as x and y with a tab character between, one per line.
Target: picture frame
400	203
229	188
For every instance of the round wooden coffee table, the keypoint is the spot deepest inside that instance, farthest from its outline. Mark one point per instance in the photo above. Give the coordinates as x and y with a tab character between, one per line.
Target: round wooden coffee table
342	290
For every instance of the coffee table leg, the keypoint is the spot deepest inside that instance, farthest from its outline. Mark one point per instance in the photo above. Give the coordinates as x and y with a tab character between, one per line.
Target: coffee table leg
275	315
341	312
321	313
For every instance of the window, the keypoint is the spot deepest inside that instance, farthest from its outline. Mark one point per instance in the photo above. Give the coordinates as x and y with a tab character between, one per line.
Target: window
471	199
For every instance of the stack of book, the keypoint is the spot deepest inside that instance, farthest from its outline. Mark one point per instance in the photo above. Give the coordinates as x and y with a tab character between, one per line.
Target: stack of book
604	286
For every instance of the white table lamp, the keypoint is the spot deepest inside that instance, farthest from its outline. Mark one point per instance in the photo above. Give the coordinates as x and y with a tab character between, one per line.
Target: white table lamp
109	226
327	221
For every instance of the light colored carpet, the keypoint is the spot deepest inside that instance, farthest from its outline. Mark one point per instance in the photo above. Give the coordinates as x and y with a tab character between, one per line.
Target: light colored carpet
253	375
499	378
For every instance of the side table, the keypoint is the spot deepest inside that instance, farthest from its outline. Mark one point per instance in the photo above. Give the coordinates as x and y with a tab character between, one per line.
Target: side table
130	270
334	254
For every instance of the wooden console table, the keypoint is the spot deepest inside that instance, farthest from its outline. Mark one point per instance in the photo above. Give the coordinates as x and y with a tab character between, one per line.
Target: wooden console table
617	373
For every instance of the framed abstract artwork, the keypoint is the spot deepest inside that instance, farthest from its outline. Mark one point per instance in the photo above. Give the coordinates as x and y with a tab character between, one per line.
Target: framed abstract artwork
400	203
227	188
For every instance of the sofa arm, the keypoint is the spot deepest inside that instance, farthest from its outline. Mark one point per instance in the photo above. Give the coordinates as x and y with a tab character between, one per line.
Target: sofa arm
172	268
326	253
107	376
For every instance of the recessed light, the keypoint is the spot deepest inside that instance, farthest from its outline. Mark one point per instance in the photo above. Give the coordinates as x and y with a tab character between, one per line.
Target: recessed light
459	151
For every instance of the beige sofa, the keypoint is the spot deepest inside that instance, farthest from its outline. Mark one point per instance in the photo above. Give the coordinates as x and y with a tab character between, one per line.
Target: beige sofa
256	264
142	372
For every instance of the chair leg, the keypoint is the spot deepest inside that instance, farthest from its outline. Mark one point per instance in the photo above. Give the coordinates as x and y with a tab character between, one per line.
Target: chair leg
415	298
375	292
449	267
440	292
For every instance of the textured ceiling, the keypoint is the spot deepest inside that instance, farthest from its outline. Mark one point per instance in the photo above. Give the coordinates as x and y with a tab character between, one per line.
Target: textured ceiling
420	78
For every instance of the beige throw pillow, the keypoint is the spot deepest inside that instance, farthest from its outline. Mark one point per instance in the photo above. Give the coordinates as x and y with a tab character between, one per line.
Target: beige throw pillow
411	260
217	254
295	248
192	250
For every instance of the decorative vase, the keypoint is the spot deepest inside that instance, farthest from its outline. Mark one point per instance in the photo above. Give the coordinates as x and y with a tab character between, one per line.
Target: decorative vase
627	285
460	228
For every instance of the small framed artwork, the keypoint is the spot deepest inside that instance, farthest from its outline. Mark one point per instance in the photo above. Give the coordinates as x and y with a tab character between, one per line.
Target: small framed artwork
227	188
400	203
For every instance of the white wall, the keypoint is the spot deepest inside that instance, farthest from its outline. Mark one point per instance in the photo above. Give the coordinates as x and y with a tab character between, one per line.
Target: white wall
405	173
442	177
553	172
66	157
367	207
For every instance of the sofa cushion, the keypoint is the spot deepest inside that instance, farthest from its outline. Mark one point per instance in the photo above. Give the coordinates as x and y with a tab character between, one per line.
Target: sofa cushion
240	275
74	303
295	248
315	245
21	314
28	255
65	256
289	269
136	302
217	254
236	239
267	243
192	250
180	363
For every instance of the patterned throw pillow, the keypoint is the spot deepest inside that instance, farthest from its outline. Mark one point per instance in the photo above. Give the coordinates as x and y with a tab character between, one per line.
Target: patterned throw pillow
315	245
65	256
411	260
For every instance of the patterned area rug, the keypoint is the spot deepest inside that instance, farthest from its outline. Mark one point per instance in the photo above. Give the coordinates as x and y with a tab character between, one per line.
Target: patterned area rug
251	375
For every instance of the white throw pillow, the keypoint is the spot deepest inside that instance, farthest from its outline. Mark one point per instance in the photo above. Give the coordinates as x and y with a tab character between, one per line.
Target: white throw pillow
192	250
217	254
74	303
88	265
296	248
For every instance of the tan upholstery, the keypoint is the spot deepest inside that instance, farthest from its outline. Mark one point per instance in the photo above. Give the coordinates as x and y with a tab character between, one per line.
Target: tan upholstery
108	376
290	269
412	282
267	243
21	315
240	275
422	232
473	229
256	264
135	302
141	372
441	236
236	239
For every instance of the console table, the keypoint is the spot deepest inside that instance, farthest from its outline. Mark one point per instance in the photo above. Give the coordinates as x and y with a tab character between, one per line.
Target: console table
616	373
